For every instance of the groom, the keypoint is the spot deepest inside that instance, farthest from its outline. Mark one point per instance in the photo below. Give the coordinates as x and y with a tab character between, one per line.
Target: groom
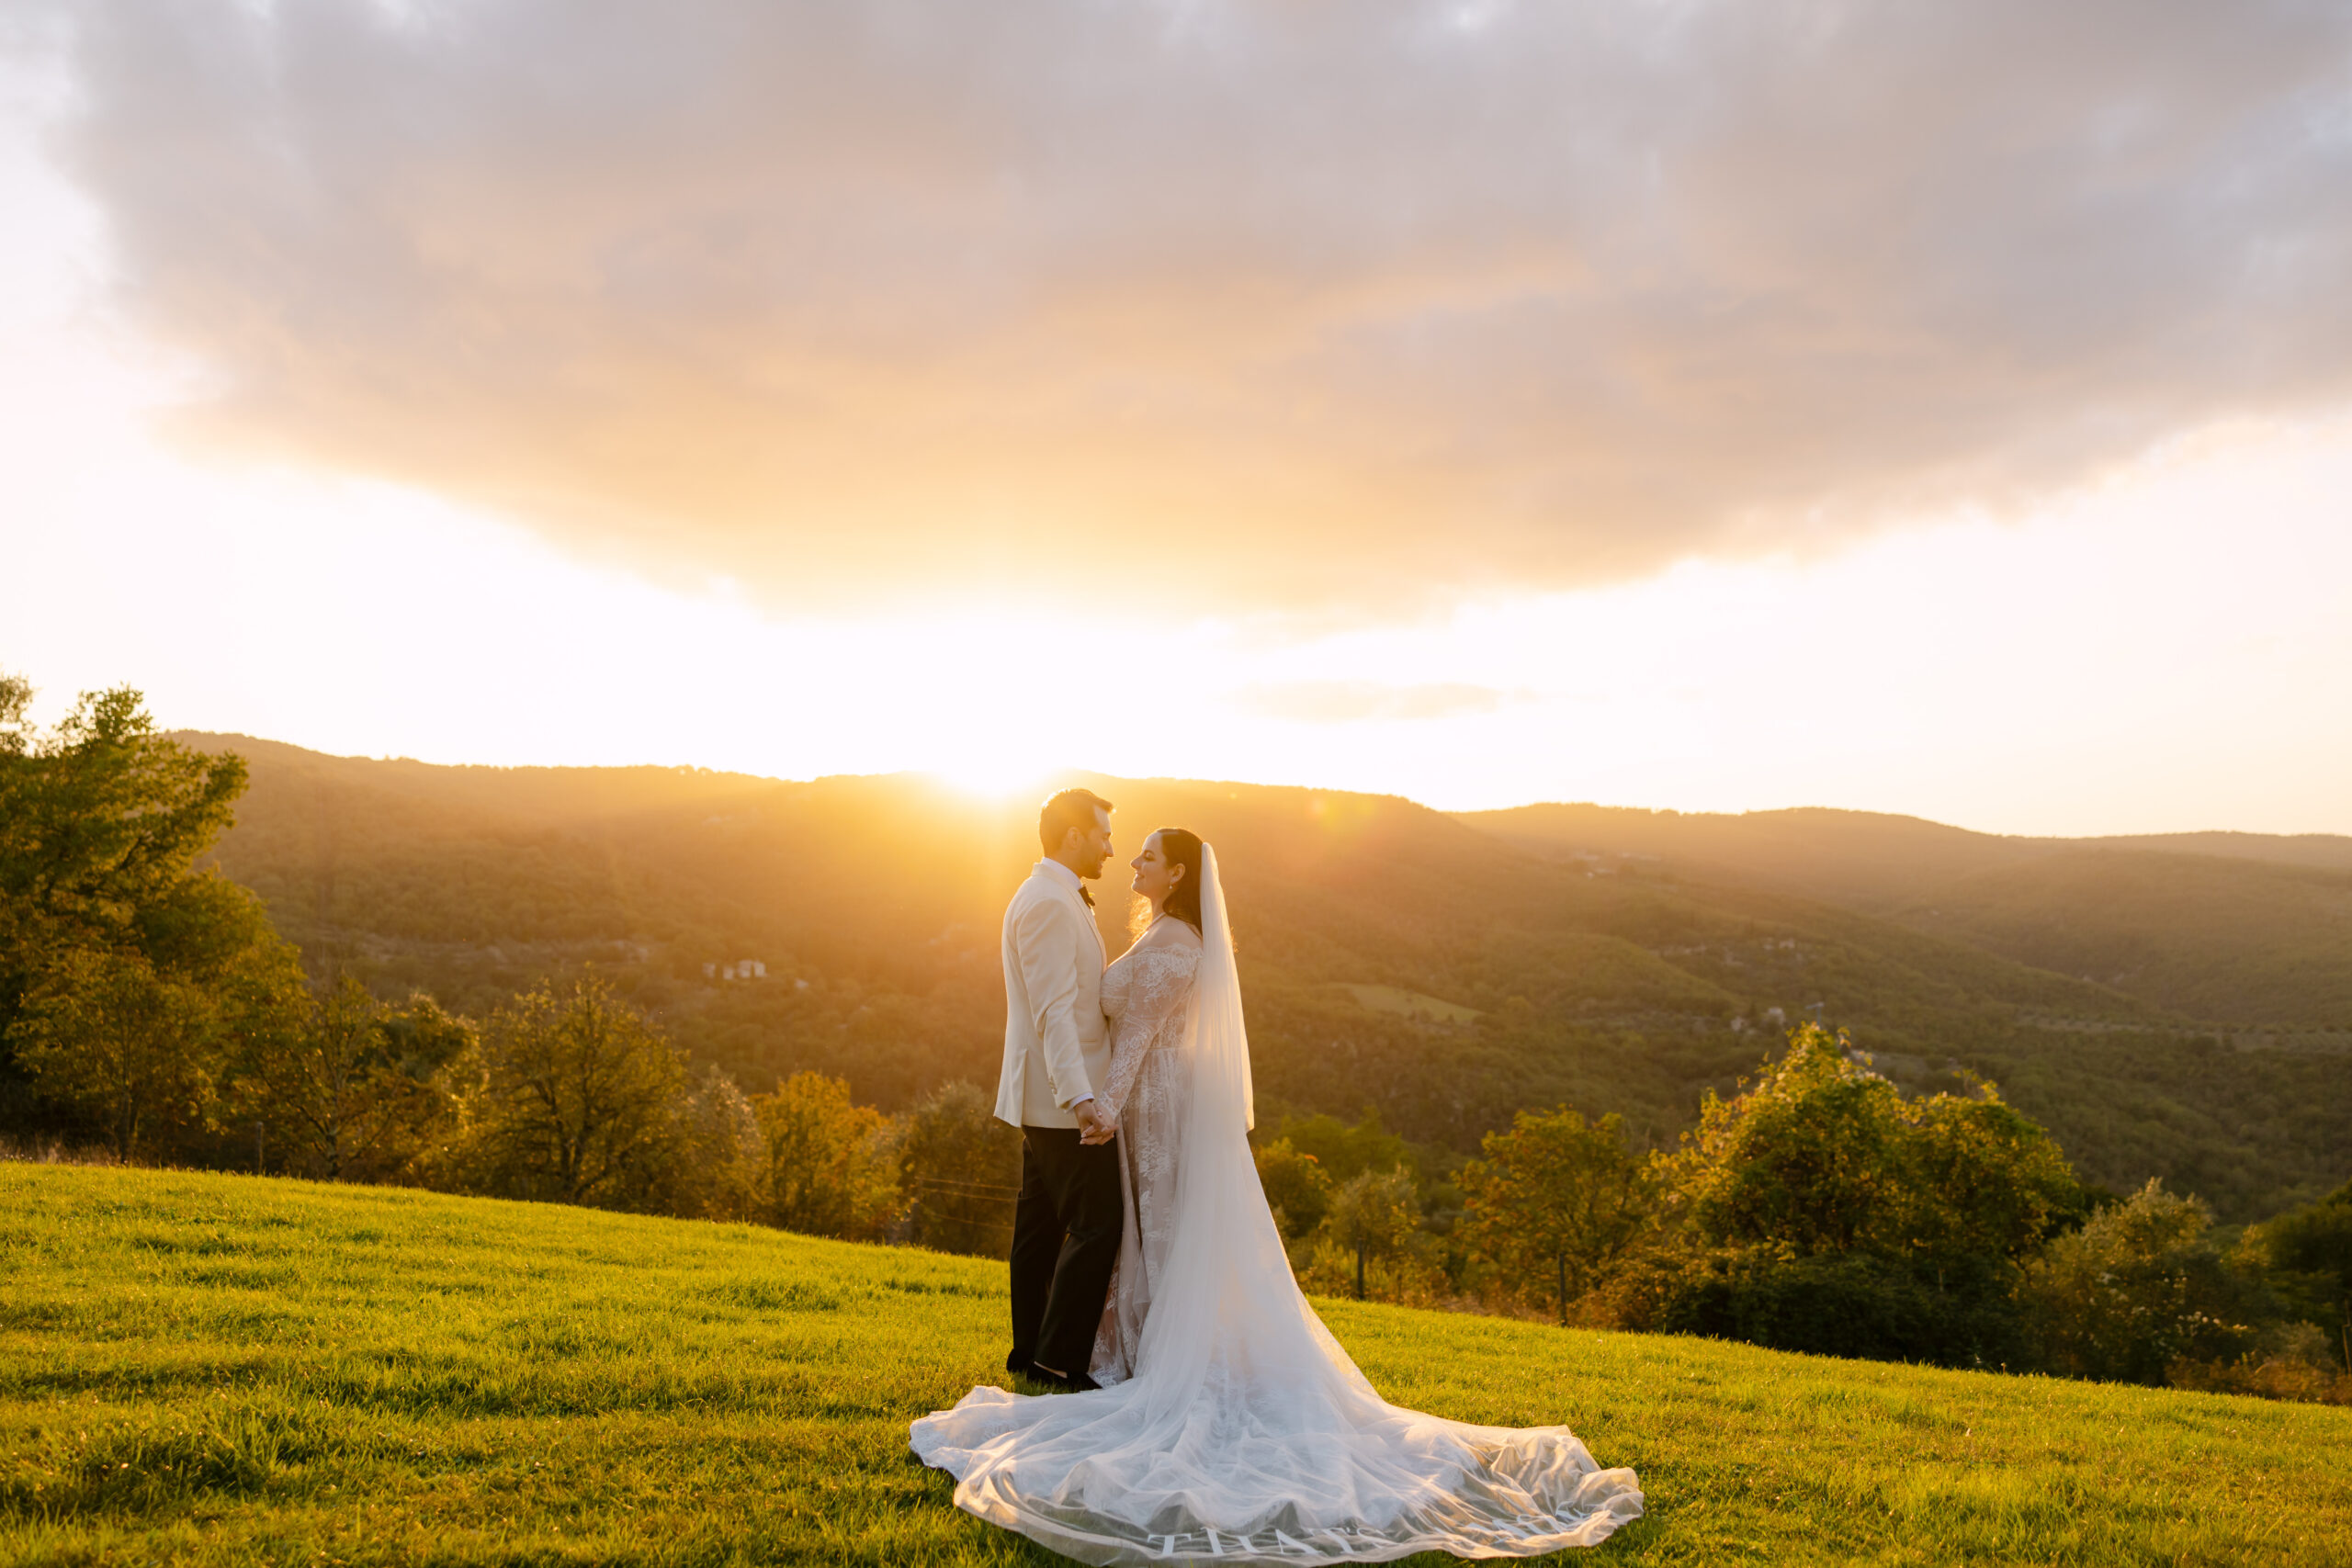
1066	1225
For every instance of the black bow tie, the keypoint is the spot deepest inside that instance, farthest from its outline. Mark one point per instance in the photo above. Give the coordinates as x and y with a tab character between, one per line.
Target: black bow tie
1085	895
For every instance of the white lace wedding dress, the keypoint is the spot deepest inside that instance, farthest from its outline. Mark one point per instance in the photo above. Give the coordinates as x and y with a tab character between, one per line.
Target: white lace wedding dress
1245	1433
1147	996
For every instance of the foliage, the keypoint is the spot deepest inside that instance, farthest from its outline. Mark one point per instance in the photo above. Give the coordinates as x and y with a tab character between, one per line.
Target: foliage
211	1371
1821	1209
2139	1288
102	1031
1298	1189
2291	1361
1342	1150
125	974
574	1096
831	1164
352	1088
961	1167
2305	1256
1373	1215
1554	1202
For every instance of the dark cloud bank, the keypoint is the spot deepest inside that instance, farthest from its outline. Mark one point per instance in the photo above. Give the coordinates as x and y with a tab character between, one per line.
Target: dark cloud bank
1292	302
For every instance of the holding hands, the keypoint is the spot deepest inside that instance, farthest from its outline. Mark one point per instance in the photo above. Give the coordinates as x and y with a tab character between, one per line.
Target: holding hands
1094	1127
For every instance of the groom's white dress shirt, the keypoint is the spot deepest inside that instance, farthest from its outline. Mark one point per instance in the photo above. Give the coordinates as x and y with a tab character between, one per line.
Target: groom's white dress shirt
1056	1048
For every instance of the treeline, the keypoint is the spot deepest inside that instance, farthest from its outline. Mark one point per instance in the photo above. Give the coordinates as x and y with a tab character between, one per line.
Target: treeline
150	1007
1820	1210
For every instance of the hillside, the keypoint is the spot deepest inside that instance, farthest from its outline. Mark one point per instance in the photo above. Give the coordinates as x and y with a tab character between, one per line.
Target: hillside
217	1369
874	905
2237	929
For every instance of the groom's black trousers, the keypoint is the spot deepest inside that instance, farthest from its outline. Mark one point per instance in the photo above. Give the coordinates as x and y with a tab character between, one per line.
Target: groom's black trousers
1065	1243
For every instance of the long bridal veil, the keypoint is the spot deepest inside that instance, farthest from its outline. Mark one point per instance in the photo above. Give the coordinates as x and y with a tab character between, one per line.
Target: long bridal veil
1247	1433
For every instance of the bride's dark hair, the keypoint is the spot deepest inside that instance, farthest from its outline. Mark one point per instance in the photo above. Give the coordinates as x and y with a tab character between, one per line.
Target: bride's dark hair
1181	846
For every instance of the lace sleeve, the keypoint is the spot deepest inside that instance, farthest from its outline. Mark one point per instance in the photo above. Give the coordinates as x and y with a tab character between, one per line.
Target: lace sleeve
1158	985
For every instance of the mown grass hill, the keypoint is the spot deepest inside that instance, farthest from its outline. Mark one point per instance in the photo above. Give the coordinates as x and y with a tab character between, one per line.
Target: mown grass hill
205	1368
1442	972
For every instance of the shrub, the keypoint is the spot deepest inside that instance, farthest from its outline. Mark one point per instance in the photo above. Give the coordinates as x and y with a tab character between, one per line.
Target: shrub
2139	1288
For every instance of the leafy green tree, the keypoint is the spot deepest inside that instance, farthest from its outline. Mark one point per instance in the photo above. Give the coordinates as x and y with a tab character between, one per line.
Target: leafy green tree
1373	1215
722	1172
2305	1256
961	1167
1984	1188
1820	1211
1344	1151
103	820
1806	1161
1297	1188
833	1168
135	1050
351	1088
1823	1157
2137	1288
101	823
578	1098
1556	1199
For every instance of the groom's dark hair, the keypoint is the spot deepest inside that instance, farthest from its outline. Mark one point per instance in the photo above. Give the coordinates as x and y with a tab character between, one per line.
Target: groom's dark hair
1070	809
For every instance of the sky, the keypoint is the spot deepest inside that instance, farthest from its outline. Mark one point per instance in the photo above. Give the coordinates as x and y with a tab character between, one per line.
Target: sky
1919	408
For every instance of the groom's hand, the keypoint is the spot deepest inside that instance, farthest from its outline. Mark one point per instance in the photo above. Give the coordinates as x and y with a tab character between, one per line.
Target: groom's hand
1093	1127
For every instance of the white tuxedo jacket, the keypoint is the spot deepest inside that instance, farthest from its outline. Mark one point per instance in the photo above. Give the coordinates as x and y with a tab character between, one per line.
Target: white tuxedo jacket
1057	1050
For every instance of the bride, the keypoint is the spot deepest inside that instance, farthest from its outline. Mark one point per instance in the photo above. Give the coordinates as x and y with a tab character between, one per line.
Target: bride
1230	1424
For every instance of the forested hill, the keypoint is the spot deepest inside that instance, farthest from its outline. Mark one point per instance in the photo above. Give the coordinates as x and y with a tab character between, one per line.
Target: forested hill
2232	929
1398	959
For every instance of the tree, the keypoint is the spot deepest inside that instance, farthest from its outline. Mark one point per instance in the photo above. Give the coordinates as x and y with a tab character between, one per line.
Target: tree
961	1166
1556	1199
2139	1287
722	1170
578	1098
1804	1161
104	819
101	822
1371	1215
1820	1211
1297	1188
2305	1256
831	1165
136	1051
351	1090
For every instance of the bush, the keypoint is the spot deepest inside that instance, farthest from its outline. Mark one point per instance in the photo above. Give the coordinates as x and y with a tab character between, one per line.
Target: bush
1852	1304
2139	1288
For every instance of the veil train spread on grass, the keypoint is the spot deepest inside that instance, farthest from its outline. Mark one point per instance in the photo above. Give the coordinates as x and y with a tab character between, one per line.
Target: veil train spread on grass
1247	1433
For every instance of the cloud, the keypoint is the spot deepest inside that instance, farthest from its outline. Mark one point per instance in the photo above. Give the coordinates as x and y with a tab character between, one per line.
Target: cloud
1347	701
1306	305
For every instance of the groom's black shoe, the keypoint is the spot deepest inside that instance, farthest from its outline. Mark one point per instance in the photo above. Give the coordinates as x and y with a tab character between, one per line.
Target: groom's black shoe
1064	1382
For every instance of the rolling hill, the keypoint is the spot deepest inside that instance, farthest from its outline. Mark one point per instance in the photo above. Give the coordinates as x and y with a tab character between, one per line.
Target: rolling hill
203	1369
2235	929
1526	978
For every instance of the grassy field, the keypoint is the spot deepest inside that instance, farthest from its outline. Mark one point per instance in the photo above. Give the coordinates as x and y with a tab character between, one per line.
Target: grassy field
215	1368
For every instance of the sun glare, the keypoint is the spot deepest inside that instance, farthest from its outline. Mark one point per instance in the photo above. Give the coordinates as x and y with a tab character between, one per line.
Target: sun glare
994	777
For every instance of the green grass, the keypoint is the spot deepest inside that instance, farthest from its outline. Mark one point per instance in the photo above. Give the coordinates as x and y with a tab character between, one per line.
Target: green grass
213	1369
